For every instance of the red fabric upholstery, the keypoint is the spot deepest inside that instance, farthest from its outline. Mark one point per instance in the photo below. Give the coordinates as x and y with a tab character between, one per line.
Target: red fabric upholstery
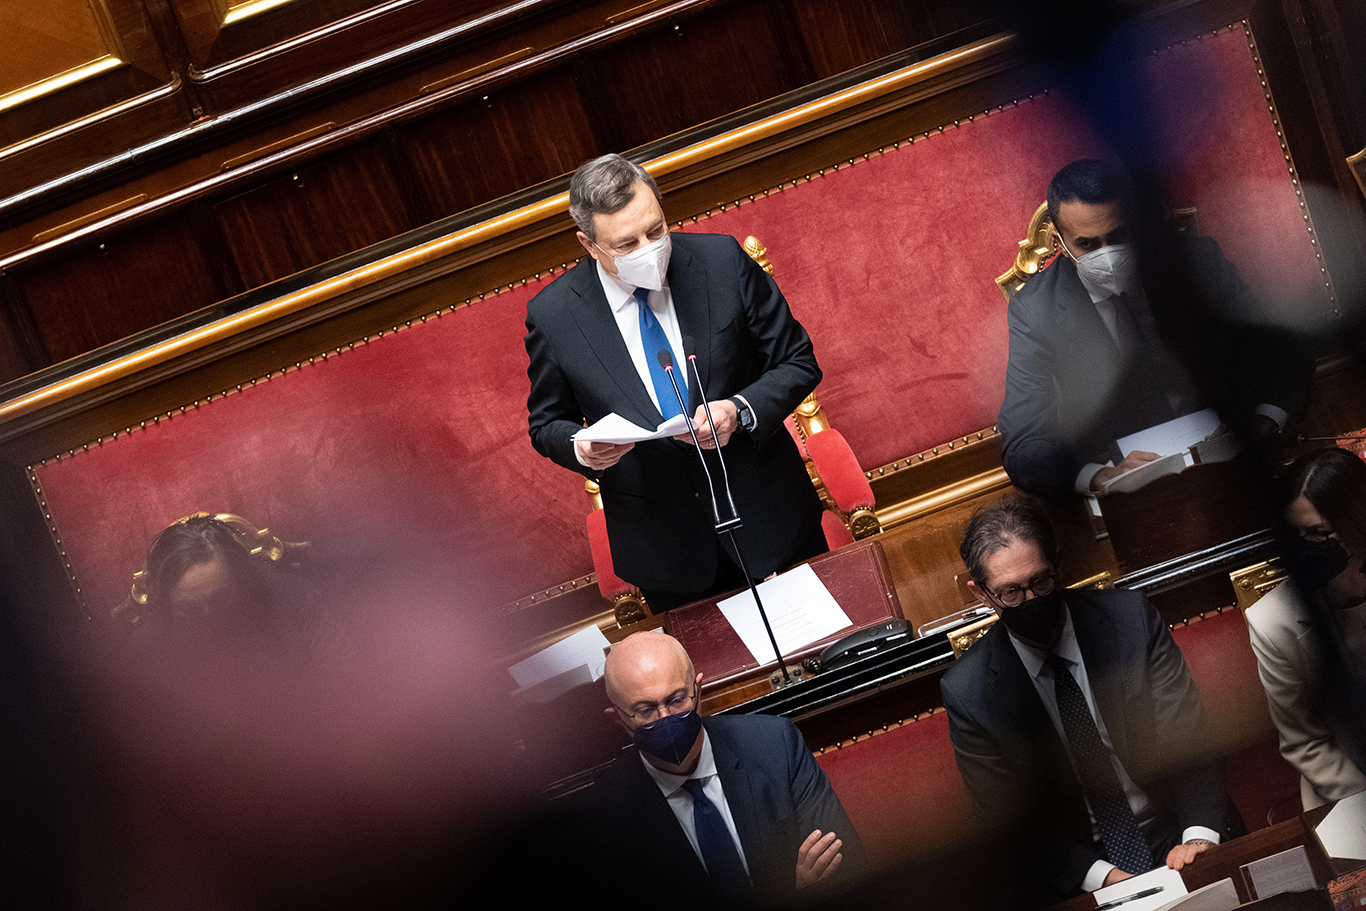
837	533
903	792
609	583
1221	661
424	430
840	471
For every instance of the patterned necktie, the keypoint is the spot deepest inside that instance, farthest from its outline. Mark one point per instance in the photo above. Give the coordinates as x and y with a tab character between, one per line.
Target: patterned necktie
1124	842
723	862
653	338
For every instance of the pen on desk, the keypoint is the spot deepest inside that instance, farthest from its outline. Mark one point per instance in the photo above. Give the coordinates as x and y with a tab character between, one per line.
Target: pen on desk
1128	898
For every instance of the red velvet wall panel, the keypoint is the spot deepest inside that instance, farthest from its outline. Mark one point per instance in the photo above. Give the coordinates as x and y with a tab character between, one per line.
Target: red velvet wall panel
889	262
420	433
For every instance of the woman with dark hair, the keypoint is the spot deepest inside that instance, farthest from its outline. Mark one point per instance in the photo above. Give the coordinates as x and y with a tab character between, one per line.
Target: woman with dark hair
204	573
1307	653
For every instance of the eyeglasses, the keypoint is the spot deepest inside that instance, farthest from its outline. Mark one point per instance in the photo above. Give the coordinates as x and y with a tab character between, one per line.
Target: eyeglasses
1013	596
654	711
1317	535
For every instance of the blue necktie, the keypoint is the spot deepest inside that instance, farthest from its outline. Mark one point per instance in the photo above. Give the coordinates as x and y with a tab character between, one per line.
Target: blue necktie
1124	843
653	338
723	862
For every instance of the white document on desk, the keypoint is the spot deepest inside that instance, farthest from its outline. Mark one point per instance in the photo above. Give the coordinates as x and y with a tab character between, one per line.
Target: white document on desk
616	429
1218	896
1343	831
1172	437
1165	880
799	606
586	647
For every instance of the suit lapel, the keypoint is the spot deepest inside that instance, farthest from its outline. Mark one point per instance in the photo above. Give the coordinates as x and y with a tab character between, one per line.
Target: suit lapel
656	819
596	321
743	800
688	287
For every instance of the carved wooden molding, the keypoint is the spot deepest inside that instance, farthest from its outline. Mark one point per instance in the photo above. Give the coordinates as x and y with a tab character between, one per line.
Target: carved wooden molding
542	217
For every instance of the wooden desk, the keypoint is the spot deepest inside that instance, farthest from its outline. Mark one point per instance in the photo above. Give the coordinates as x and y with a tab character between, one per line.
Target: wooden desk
1222	861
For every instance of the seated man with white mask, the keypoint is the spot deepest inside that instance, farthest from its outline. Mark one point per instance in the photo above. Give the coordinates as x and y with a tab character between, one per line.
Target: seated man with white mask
593	340
1089	363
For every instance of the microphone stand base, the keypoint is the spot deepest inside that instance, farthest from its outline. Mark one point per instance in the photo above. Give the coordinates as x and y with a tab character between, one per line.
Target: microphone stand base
795	674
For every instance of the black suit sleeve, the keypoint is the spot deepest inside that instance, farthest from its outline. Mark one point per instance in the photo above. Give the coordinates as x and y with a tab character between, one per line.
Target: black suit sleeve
1016	788
783	362
553	413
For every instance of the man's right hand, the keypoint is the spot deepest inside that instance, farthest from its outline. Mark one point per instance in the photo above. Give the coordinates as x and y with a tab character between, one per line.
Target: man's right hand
1115	876
600	456
1131	461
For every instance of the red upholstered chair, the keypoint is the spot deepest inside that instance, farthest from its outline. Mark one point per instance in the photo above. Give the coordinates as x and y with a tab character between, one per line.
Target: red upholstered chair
831	464
1219	654
903	792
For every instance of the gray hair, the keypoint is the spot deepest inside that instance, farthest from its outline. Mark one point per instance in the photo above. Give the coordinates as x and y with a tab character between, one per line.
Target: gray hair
603	186
1001	524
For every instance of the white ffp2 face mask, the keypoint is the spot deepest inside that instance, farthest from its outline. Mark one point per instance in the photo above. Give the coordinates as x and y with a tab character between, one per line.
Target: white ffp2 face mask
645	267
1109	271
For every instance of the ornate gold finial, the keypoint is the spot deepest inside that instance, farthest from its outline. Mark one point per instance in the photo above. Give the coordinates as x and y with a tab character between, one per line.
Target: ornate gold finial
1036	250
758	252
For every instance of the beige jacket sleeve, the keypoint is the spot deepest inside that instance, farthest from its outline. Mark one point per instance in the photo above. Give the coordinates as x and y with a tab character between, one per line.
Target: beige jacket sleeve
1286	644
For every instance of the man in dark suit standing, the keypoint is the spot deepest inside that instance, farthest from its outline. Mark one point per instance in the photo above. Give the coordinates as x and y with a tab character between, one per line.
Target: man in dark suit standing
592	339
1101	348
734	808
1075	722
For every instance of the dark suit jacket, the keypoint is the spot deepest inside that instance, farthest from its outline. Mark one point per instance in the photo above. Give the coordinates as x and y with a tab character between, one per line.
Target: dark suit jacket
777	795
1013	760
1070	394
659	517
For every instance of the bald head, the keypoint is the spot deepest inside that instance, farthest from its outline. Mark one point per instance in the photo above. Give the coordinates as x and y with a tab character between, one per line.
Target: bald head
647	668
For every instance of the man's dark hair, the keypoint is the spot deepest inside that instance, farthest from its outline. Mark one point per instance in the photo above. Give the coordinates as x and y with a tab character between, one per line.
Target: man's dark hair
1091	181
1001	524
603	186
198	539
1334	481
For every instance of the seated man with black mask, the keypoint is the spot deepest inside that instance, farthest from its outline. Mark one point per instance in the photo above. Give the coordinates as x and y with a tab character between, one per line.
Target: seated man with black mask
1075	722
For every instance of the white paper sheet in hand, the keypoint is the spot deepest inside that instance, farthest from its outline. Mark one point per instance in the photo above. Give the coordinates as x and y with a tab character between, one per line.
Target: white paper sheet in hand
584	647
616	429
799	606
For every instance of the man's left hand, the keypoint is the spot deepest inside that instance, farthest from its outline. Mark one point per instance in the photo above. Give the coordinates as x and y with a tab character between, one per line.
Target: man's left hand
818	858
726	422
1183	854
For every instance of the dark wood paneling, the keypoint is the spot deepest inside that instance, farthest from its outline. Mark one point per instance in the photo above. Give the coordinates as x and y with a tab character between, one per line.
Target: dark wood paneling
124	285
692	72
15	361
145	68
843	34
251	60
314	214
489	148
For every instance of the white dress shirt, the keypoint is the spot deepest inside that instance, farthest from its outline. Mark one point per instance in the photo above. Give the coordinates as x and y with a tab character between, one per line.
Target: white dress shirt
681	802
1042	676
621	298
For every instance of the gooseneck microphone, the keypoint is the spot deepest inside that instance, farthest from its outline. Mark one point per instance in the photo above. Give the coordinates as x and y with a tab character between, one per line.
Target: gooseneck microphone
666	360
690	353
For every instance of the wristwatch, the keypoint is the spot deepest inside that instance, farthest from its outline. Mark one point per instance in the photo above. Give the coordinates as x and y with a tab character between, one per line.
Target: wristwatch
743	413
